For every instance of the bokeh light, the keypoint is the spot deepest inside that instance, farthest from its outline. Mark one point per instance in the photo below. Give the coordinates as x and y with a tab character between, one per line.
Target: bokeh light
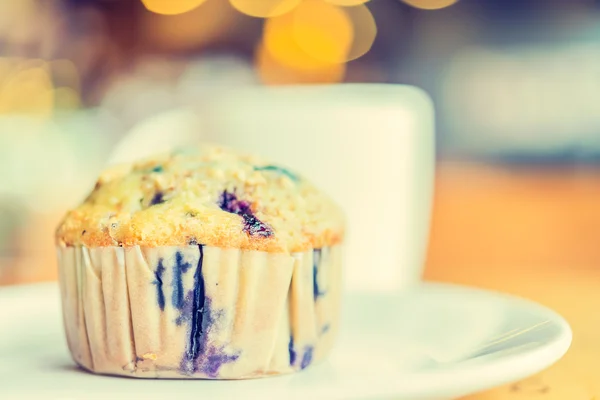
172	7
273	72
189	30
264	8
26	87
347	2
313	42
322	30
365	31
280	42
37	87
430	4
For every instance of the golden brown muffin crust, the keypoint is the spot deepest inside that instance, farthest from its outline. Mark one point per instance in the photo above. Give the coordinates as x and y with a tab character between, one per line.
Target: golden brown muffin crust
206	195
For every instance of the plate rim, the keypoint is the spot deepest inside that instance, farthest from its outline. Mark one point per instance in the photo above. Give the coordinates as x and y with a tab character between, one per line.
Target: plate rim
452	383
521	365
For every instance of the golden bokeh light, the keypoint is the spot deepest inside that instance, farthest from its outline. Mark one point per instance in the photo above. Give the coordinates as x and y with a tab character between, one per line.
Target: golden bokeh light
272	72
313	42
347	2
365	31
38	87
322	30
172	7
26	88
430	4
280	42
264	8
190	30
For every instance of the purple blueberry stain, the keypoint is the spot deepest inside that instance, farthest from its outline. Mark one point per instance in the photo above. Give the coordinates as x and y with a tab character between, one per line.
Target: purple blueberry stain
213	359
180	268
200	355
307	357
158	282
317	257
198	302
158	198
292	351
185	313
229	202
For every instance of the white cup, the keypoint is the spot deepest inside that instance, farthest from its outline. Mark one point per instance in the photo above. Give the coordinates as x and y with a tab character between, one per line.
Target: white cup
371	147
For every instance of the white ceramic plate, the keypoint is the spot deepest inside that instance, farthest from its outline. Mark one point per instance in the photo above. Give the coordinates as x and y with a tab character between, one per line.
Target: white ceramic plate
434	342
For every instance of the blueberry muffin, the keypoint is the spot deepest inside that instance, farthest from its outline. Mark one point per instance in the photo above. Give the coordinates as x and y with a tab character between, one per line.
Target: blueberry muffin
201	263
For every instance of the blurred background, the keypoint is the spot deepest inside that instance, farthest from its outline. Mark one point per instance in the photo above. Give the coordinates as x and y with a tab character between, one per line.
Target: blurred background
516	84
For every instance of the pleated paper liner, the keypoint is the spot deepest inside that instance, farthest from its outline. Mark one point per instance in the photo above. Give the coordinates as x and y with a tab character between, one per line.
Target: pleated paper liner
199	311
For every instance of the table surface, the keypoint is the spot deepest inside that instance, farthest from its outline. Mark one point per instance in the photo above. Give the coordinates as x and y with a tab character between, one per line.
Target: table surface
529	231
532	232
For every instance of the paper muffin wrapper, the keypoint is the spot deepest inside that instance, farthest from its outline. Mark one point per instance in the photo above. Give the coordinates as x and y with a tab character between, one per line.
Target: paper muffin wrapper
199	311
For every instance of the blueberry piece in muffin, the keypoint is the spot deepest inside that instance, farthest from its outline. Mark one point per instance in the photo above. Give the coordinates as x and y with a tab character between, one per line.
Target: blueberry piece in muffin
230	203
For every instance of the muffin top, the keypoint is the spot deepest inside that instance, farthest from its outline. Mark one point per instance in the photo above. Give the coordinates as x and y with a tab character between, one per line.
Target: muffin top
207	195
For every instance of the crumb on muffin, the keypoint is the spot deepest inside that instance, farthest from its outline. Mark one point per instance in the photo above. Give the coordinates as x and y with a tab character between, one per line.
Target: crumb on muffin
207	195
